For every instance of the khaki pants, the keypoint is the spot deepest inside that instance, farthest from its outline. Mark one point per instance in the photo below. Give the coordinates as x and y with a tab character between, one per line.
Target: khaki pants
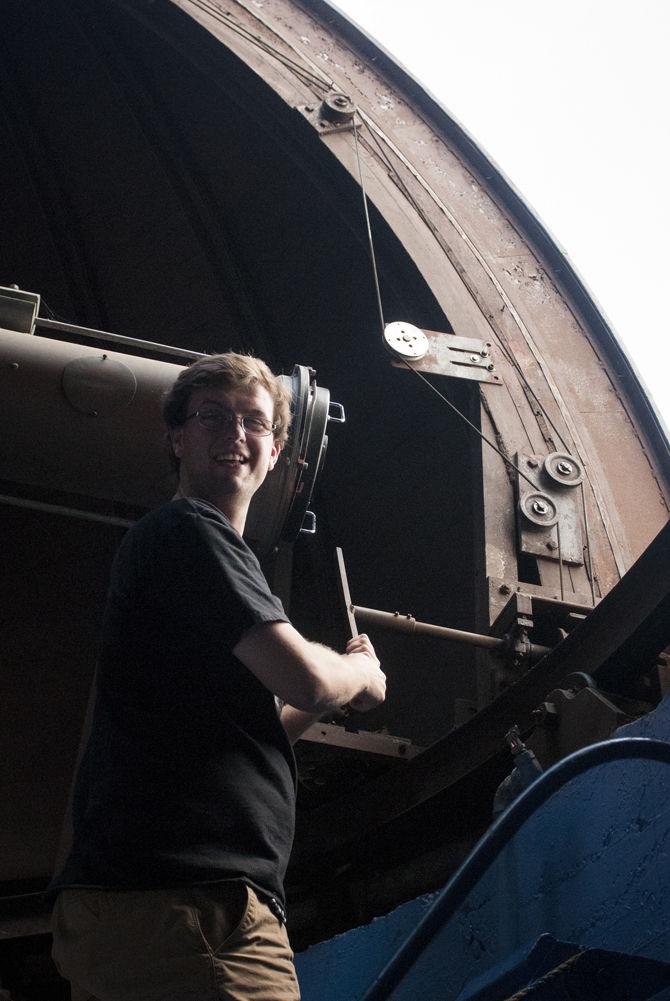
199	943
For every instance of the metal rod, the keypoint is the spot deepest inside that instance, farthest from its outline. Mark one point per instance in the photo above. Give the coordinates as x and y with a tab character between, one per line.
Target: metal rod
104	335
344	592
560	561
543	599
69	512
588	545
408	624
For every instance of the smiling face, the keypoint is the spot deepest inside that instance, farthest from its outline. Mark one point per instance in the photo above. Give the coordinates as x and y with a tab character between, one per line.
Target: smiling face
225	467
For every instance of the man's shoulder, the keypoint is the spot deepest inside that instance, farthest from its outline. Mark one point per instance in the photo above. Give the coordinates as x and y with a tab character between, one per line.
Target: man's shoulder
178	510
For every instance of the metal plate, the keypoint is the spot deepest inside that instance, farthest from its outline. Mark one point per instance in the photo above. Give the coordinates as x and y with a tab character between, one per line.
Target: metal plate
455	356
314	113
537	531
97	386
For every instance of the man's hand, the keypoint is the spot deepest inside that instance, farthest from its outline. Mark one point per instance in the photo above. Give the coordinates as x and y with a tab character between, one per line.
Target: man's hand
374	691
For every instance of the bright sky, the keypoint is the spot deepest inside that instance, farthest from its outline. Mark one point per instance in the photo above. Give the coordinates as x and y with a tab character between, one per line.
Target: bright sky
570	99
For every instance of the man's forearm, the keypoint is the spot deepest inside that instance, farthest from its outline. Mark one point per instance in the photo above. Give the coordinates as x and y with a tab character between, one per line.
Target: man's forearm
307	675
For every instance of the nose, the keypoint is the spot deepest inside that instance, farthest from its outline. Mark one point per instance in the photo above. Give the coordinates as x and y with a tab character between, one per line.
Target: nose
233	426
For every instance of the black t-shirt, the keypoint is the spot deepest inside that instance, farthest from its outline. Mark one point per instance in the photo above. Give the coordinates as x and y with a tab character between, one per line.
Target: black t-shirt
188	776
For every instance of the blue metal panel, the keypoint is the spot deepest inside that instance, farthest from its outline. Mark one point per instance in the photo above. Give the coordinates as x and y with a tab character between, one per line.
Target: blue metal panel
590	866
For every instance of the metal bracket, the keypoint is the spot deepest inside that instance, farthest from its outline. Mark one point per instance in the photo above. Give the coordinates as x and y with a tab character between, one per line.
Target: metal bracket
453	356
336	113
513	625
18	309
549	517
361	740
572	717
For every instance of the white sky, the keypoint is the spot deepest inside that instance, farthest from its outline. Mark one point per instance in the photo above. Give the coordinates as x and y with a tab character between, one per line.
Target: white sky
570	99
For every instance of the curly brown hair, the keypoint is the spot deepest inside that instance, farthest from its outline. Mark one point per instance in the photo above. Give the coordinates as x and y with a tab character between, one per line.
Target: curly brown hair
228	371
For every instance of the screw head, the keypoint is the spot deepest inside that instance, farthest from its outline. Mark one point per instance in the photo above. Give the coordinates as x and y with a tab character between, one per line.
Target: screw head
533	463
564	468
539	507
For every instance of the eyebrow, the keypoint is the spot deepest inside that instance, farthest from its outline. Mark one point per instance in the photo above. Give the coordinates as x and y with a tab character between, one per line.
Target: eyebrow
254	412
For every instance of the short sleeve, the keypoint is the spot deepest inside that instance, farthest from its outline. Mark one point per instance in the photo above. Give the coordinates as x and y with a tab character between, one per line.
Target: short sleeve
219	584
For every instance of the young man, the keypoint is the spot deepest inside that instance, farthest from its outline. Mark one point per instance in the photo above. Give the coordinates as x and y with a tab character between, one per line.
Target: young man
184	803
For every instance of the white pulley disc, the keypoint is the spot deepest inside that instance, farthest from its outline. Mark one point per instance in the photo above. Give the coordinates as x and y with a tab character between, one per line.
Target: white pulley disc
405	340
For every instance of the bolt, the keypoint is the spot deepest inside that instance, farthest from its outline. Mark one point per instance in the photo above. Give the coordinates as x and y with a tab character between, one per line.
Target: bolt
483	352
564	468
341	102
474	358
490	366
533	463
505	589
14	365
104	357
552	545
539	507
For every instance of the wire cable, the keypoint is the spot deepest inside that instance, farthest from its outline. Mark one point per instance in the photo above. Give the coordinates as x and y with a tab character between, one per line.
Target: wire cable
307	76
373	258
371	244
423	216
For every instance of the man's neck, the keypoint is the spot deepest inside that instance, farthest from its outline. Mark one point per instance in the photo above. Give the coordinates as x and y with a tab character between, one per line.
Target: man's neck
235	513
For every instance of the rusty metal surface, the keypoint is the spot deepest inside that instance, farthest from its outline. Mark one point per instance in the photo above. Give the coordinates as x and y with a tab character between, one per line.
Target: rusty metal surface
491	283
639	605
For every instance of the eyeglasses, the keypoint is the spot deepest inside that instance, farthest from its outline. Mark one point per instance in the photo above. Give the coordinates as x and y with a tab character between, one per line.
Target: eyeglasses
217	419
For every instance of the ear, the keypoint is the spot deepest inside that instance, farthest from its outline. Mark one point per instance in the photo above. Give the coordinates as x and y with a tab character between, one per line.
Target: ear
273	455
177	441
